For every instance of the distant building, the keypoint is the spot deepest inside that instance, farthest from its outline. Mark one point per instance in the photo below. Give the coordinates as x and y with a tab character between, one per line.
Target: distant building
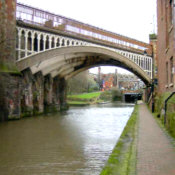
129	82
120	81
107	81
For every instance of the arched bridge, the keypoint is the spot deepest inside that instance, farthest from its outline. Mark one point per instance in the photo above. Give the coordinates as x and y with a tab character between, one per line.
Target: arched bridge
58	46
50	49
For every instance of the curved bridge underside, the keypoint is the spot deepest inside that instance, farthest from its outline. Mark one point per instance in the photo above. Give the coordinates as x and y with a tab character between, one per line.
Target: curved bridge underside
66	62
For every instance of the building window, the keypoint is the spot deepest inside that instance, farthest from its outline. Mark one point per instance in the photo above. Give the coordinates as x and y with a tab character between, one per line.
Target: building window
170	9
167	24
161	7
167	72
171	69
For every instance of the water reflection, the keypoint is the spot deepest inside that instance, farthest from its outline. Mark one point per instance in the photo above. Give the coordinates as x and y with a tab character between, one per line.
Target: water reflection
76	142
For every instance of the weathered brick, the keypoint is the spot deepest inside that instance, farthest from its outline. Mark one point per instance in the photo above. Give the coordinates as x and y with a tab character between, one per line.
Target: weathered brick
165	45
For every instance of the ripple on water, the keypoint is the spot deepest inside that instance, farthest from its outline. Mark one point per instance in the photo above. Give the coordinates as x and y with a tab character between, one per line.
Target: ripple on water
77	142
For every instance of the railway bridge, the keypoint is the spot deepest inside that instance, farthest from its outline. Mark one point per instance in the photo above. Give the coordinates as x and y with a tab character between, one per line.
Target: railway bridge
41	50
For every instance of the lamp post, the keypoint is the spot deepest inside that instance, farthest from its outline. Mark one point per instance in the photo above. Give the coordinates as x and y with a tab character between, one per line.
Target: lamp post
153	82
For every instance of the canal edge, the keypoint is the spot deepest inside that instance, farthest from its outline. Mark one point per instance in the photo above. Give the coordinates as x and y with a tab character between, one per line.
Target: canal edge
123	158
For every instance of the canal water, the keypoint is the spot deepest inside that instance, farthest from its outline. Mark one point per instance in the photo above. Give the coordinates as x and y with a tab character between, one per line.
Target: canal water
76	142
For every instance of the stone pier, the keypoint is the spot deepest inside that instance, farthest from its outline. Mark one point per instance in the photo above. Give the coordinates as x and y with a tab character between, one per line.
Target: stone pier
9	76
48	94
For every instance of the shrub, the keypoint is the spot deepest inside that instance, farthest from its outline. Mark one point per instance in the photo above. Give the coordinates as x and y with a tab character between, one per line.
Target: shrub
106	96
116	94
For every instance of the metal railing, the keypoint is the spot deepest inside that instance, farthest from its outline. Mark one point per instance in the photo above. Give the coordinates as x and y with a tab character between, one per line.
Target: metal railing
165	106
43	18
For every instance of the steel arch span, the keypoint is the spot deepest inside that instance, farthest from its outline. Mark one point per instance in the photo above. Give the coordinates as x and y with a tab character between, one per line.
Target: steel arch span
67	61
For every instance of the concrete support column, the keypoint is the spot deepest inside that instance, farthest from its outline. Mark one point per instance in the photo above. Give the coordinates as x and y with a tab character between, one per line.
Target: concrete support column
27	93
38	94
48	94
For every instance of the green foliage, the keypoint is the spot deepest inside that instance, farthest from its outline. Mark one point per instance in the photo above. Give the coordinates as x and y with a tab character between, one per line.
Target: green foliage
153	36
82	83
106	96
78	103
122	161
83	99
159	101
116	94
93	88
170	114
171	123
112	95
78	83
85	95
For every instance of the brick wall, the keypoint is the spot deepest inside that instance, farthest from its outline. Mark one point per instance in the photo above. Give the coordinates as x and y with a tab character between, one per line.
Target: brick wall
7	33
165	46
9	76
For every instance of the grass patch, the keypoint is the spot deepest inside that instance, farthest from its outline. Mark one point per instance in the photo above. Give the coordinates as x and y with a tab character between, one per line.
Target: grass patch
83	99
77	103
122	161
85	95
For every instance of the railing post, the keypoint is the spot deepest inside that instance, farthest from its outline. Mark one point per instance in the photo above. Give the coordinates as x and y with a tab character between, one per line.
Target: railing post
32	42
26	43
19	44
38	42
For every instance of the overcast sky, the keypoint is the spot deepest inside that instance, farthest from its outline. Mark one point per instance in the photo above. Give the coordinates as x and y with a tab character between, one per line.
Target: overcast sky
132	18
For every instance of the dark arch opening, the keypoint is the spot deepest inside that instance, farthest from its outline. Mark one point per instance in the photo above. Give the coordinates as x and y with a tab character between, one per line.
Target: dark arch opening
41	43
36	43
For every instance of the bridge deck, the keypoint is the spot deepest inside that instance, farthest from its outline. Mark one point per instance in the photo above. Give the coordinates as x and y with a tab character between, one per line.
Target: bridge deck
43	18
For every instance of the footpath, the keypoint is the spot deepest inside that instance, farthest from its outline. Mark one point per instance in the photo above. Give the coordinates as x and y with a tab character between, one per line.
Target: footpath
155	152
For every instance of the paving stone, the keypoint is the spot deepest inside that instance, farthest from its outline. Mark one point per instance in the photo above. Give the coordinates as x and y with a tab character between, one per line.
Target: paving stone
155	154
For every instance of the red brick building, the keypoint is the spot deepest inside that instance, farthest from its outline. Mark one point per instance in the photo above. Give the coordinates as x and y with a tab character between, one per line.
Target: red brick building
166	45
